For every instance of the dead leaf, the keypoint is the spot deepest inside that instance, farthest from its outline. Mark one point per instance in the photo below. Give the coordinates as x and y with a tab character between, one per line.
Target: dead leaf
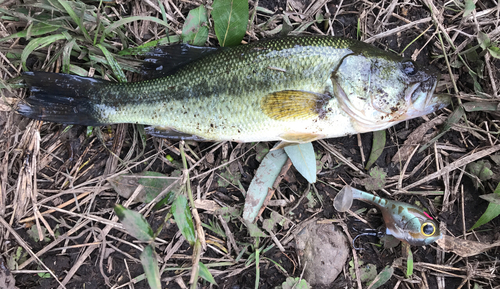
464	248
7	103
207	205
416	137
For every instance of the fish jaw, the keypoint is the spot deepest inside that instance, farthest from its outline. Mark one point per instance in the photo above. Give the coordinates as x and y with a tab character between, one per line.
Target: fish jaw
426	103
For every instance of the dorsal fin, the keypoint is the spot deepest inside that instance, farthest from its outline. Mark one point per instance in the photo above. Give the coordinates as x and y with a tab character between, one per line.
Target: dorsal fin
165	60
294	104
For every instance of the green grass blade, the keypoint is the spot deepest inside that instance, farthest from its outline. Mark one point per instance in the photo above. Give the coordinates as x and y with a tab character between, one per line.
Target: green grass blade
113	64
205	274
36	30
76	19
135	223
163	12
150	265
257	261
382	278
77	70
146	47
409	261
492	211
377	147
38	43
66	55
182	215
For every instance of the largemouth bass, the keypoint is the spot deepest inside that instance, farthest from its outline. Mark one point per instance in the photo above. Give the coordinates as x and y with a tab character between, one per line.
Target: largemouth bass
403	221
293	89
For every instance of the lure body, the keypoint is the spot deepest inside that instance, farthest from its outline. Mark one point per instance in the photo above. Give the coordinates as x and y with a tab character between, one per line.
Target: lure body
405	222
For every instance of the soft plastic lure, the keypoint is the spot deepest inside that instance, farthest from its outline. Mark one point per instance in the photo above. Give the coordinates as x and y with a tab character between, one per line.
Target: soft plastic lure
405	222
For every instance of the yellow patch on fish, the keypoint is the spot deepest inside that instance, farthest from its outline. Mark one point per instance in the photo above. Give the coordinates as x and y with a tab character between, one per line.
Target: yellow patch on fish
293	104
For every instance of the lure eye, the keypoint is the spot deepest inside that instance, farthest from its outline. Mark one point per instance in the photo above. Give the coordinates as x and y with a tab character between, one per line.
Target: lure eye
428	229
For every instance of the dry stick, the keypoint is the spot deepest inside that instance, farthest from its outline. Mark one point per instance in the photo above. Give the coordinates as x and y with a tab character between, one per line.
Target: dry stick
455	165
490	74
463	212
405	167
354	255
53	244
90	249
338	155
4	172
437	158
134	195
360	145
446	181
60	207
27	248
458	181
440	27
397	29
200	243
229	235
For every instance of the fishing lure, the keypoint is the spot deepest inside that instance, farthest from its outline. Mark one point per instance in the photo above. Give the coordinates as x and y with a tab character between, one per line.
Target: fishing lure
405	222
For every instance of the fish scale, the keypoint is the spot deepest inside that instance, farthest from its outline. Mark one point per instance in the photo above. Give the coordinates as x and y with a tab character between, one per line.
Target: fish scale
226	94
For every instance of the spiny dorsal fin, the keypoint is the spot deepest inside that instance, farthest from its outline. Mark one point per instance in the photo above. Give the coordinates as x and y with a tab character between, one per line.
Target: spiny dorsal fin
294	104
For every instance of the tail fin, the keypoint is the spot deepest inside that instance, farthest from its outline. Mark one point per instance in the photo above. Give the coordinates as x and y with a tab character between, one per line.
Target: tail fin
62	98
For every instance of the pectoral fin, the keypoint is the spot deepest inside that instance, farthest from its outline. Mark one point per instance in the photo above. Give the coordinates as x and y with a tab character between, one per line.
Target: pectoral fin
294	104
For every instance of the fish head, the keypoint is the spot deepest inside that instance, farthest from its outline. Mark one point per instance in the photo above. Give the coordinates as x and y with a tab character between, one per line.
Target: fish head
379	89
420	229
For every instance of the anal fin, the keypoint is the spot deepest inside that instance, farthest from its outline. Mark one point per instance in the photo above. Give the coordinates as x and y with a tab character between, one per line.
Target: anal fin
295	138
171	133
300	137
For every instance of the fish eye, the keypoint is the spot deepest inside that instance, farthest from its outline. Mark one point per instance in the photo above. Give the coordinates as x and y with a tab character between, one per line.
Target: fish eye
428	229
409	68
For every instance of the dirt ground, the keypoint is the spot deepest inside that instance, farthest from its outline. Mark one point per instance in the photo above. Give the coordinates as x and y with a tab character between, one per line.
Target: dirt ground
63	165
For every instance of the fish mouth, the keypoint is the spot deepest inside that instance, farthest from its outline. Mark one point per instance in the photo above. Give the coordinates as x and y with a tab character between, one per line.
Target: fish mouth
420	103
